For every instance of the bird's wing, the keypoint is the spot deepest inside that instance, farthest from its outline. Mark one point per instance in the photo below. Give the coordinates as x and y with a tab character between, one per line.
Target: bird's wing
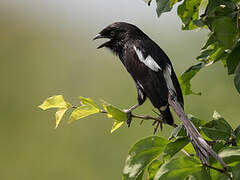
153	57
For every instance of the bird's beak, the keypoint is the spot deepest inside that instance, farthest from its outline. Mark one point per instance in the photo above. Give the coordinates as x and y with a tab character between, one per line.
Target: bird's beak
99	36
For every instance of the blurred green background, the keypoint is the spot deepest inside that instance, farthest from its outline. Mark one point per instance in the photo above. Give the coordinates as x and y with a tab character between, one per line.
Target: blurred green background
46	48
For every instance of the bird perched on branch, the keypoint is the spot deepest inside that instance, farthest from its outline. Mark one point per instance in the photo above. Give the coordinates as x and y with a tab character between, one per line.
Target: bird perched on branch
148	65
154	77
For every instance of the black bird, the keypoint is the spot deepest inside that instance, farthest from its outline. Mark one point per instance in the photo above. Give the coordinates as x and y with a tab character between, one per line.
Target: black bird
154	77
148	65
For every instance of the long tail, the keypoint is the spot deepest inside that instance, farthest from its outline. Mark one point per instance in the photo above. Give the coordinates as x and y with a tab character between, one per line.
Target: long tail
203	150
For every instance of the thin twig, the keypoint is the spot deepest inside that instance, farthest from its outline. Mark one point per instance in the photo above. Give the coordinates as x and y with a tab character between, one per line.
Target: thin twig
224	171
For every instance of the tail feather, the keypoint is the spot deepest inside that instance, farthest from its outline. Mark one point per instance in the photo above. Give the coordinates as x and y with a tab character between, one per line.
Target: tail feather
203	150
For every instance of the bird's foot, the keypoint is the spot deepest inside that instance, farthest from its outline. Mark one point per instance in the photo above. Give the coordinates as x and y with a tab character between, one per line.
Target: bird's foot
158	123
129	116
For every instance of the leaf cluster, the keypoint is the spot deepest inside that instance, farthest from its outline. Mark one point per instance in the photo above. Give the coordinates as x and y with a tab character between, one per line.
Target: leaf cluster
158	157
221	18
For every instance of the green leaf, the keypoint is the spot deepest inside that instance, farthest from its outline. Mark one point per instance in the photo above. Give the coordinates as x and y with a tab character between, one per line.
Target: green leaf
186	77
83	111
218	128
116	124
54	102
141	154
114	112
174	147
237	134
178	169
88	108
212	54
87	101
178	132
214	6
236	172
230	154
210	41
162	6
203	174
172	2
237	78
225	31
233	59
153	169
188	12
59	114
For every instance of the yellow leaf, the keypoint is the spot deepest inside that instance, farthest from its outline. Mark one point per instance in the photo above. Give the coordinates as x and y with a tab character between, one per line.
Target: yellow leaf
54	102
83	111
59	114
116	125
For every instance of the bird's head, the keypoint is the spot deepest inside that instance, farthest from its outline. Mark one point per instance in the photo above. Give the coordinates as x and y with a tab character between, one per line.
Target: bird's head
118	34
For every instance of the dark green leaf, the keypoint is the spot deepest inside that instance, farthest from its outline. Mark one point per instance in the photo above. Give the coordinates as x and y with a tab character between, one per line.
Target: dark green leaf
178	169
210	41
237	78
186	77
212	54
230	154
174	147
218	128
214	5
236	172
204	174
233	59
188	12
141	154
153	169
178	132
225	31
163	6
237	135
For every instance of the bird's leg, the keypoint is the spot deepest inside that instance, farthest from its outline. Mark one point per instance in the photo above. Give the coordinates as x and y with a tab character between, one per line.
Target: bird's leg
129	113
158	122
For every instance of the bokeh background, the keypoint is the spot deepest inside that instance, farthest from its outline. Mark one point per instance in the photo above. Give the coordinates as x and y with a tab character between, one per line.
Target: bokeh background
46	49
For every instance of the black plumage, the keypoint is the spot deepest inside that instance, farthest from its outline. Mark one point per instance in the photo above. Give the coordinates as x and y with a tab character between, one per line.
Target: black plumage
154	77
146	62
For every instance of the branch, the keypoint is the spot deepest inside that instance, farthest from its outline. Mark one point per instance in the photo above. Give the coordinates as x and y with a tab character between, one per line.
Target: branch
147	117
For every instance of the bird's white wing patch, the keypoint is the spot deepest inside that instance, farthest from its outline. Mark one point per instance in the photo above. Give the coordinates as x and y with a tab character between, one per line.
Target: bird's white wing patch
149	61
167	75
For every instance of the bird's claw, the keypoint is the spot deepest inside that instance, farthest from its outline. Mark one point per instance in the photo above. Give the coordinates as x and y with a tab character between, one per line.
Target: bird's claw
129	117
158	123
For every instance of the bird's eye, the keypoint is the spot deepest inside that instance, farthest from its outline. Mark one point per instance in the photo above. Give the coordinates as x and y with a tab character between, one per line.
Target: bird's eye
112	33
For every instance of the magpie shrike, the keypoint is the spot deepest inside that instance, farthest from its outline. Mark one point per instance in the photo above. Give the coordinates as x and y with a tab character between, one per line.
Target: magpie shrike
148	65
154	77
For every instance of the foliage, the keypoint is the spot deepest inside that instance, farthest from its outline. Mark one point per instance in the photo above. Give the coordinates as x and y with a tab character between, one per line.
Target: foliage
221	18
159	158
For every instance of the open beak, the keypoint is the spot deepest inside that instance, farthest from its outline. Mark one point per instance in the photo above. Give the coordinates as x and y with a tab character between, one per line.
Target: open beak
99	36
